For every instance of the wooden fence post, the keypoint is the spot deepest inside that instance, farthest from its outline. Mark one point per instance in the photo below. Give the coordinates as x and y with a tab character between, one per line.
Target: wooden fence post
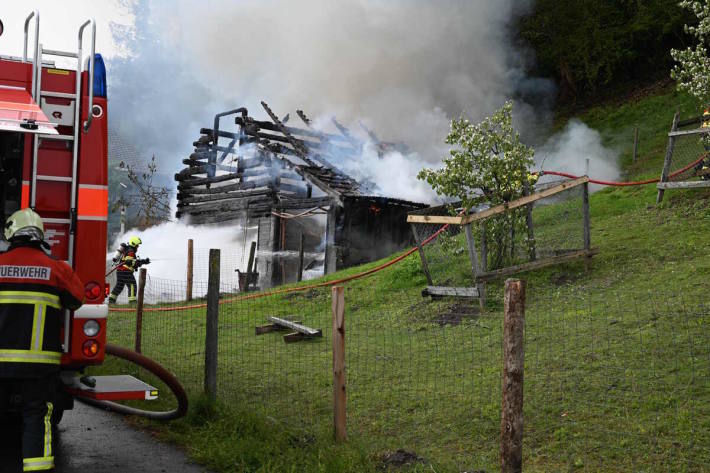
188	295
339	395
300	258
585	210
669	157
211	330
139	308
511	419
251	266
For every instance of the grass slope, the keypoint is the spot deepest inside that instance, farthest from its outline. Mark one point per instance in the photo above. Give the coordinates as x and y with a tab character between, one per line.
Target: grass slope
598	385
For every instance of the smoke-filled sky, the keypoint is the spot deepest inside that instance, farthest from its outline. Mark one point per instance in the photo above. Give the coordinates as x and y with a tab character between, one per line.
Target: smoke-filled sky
404	67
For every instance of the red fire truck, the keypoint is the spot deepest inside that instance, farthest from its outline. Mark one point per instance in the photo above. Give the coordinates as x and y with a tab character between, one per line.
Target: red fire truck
54	159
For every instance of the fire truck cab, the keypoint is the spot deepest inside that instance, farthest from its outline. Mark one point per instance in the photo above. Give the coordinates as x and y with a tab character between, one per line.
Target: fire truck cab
54	159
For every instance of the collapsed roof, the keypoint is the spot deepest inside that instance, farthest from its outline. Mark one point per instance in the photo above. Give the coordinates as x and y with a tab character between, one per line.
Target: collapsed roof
267	166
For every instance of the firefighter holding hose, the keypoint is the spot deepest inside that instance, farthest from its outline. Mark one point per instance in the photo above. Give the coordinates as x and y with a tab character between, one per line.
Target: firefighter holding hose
127	262
34	290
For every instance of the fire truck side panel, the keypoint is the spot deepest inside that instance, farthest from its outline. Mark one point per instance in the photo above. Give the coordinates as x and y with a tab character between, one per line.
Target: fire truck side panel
58	80
16	74
53	197
92	204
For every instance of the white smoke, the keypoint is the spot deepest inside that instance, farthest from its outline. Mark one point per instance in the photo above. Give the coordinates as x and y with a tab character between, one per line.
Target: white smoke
403	67
394	174
568	151
166	246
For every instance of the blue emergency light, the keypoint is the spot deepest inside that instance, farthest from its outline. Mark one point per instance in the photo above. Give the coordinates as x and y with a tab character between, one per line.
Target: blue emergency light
100	88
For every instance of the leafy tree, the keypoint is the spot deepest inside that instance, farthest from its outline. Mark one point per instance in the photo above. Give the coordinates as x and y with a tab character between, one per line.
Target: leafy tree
487	165
692	71
594	47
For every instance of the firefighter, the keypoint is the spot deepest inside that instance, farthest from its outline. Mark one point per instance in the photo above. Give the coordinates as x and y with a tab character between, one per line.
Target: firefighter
128	262
34	290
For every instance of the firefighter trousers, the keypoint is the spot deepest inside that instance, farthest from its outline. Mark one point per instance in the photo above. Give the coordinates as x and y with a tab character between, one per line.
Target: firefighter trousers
124	279
37	396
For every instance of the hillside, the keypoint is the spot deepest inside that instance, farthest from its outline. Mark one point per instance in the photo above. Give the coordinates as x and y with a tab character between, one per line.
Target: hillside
617	376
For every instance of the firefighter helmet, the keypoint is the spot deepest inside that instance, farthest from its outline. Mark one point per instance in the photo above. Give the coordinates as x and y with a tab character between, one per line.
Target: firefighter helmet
25	222
134	241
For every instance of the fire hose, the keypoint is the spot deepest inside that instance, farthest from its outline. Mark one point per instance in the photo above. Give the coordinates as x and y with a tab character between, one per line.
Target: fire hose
153	367
632	183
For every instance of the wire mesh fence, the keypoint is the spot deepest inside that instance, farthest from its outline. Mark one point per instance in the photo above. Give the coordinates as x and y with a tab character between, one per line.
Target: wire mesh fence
501	241
688	153
613	382
618	382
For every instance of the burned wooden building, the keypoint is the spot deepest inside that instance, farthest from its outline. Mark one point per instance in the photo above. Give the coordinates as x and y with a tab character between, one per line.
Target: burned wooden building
287	181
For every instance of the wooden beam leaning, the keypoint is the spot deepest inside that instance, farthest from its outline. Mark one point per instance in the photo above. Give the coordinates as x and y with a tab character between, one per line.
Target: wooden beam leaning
466	219
422	255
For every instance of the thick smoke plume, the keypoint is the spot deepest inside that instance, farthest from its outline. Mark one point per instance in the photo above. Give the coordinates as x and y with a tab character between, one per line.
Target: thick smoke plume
403	67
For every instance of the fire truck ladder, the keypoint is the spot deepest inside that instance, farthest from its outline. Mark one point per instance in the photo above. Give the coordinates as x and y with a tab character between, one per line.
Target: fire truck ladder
40	95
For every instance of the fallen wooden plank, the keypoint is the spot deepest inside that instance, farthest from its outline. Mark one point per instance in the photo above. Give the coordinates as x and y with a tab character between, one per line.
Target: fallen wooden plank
466	219
450	291
311	332
271	328
537	264
295	337
683	185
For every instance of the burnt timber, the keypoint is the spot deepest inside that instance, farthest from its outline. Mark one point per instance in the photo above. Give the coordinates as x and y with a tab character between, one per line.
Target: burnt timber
286	181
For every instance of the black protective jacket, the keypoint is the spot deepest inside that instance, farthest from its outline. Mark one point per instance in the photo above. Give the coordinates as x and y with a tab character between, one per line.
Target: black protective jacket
34	288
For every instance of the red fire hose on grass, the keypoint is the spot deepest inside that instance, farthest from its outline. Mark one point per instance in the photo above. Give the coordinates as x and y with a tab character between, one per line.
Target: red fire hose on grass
632	183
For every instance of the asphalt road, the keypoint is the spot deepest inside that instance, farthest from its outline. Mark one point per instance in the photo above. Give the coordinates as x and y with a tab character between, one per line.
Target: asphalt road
92	440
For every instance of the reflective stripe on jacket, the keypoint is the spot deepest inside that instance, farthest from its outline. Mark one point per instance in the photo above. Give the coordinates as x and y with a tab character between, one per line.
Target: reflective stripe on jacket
33	290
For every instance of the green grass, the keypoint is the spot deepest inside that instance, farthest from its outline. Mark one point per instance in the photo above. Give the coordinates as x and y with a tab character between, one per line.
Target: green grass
617	372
